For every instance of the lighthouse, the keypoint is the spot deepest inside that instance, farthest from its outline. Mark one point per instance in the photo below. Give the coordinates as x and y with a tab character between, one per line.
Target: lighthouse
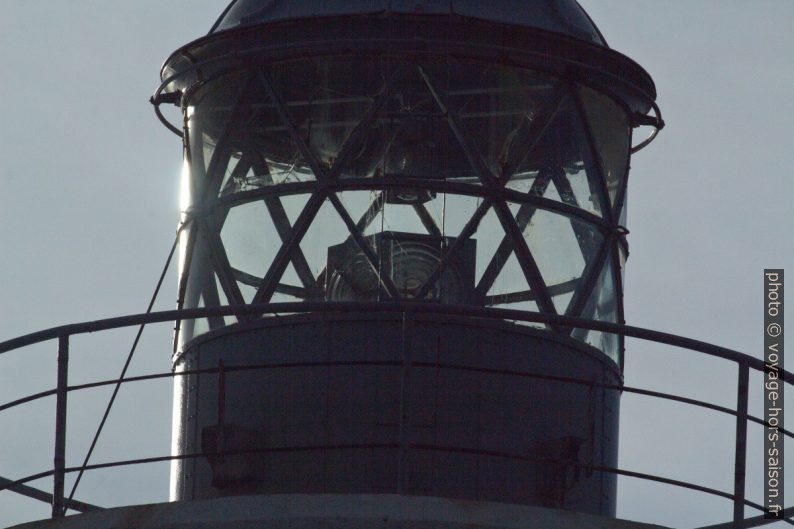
402	238
399	172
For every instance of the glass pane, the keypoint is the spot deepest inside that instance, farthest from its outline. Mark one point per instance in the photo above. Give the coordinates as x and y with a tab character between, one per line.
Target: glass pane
238	176
411	241
327	97
562	247
529	182
208	116
250	238
511	291
457	214
326	230
623	256
490	237
199	326
223	301
200	283
407	229
561	155
497	106
564	294
290	287
410	136
275	156
248	290
509	284
602	306
259	150
501	282
420	217
611	131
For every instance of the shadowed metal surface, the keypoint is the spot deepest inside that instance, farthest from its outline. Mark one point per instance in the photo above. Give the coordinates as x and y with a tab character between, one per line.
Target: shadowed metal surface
560	16
389	404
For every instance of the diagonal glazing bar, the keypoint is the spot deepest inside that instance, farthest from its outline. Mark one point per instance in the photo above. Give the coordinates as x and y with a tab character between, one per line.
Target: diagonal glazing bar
210	227
222	152
295	292
620	198
594	261
352	141
536	130
586	289
284	229
567	195
523	218
292	130
270	281
369	253
618	282
468	146
268	284
245	278
291	290
238	173
373	184
591	159
490	181
190	245
465	234
525	258
528	295
374	208
361	226
212	299
282	224
348	149
220	261
427	220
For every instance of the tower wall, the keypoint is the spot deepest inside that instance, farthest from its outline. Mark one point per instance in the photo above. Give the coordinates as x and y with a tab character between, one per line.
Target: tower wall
424	405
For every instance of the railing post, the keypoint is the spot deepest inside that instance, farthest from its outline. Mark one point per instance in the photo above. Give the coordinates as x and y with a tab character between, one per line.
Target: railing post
407	337
59	460
741	445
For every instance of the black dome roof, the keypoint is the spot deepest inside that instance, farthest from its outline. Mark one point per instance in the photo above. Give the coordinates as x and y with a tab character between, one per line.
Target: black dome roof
560	16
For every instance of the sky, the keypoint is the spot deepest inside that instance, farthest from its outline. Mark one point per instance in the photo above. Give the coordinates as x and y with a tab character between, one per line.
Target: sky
89	206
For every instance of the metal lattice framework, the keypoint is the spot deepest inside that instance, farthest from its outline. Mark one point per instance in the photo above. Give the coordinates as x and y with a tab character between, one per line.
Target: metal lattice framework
233	164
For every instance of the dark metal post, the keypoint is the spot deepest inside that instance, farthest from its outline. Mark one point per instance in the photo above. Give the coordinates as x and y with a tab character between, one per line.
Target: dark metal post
221	446
59	462
407	335
741	445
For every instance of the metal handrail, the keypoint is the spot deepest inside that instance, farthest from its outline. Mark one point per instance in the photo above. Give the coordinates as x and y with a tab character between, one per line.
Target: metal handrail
82	507
64	332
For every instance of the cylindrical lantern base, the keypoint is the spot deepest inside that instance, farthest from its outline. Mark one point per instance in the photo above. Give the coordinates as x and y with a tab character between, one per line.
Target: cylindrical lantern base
415	404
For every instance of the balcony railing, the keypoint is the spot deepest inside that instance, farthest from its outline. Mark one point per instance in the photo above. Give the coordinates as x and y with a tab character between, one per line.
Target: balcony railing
62	334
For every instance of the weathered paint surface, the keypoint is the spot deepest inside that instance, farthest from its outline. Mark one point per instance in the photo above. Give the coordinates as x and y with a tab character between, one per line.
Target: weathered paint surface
367	403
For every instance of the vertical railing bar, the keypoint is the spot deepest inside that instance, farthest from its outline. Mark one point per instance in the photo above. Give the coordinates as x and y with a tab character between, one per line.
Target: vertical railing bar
59	460
407	358
221	445
741	444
